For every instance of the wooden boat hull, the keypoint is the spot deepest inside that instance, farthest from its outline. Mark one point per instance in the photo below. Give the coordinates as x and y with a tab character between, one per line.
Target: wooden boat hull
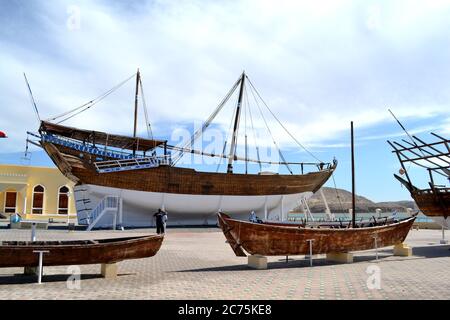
168	179
276	239
21	254
434	204
190	197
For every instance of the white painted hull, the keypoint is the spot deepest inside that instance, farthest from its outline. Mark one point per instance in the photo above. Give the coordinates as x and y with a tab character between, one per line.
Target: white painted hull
182	209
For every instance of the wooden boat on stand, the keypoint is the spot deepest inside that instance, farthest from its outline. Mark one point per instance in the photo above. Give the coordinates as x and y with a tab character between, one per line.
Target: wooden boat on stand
78	252
267	238
34	255
144	174
289	239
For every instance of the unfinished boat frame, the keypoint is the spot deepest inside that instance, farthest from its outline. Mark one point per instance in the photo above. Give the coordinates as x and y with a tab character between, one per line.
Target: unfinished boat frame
435	158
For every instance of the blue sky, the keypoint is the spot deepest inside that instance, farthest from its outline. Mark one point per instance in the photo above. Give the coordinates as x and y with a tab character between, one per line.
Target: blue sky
318	65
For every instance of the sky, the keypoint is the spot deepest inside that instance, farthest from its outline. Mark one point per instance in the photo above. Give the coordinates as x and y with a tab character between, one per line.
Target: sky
317	64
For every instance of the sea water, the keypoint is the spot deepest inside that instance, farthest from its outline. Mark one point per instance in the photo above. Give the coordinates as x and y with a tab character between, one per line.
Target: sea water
364	215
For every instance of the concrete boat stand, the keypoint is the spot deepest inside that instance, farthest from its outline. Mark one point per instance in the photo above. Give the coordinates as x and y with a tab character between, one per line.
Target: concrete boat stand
107	270
259	262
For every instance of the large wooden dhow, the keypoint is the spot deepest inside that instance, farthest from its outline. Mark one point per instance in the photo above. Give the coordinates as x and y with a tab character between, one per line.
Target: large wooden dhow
434	159
142	172
78	252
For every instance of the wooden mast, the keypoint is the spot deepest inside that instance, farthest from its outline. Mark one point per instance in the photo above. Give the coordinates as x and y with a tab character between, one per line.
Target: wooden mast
236	126
138	78
353	178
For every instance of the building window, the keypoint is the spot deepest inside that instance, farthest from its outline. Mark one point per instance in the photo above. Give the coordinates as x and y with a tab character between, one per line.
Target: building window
38	200
10	202
63	200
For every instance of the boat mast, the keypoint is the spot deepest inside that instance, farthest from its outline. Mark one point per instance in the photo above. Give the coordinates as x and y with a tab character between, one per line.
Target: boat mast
138	78
353	178
236	126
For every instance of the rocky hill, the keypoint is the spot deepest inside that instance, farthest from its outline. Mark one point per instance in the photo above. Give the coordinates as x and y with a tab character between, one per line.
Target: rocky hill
363	204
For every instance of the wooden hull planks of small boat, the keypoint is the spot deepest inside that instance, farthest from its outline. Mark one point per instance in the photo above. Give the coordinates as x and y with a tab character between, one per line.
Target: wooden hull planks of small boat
22	254
280	240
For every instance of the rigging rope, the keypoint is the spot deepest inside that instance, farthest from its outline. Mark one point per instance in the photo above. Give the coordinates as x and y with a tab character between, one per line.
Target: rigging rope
208	121
337	194
222	156
270	132
91	103
254	135
285	129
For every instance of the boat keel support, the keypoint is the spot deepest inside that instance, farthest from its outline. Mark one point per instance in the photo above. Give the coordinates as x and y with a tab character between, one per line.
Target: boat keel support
257	261
403	250
342	257
109	270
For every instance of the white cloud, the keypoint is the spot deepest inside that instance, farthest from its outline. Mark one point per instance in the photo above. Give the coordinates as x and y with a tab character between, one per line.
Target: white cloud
317	64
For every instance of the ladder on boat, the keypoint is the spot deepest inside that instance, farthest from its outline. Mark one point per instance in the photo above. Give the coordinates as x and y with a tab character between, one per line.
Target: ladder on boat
108	205
131	164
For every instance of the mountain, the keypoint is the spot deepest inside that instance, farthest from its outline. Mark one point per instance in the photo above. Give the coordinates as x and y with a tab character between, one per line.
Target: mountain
363	204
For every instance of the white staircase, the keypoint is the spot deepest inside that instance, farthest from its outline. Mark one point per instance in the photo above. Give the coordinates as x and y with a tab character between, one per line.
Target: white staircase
108	205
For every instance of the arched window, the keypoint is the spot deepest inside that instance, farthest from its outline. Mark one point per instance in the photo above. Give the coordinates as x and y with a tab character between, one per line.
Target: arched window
38	200
63	200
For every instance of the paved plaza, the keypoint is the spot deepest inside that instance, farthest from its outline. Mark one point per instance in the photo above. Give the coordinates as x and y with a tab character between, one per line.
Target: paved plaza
196	263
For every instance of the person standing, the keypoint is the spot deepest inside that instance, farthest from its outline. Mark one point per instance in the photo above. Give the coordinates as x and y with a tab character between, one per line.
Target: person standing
163	221
158	217
161	218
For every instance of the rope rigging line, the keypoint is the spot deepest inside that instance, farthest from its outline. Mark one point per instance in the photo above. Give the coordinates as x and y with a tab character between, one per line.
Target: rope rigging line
270	132
198	152
144	105
208	121
337	194
279	122
222	156
254	135
32	98
90	103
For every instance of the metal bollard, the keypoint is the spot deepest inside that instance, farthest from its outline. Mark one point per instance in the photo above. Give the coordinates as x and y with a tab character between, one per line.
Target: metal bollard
41	261
33	232
375	238
310	251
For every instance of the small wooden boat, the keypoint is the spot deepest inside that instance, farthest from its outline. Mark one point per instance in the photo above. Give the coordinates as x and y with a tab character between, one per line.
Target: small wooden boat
281	239
23	253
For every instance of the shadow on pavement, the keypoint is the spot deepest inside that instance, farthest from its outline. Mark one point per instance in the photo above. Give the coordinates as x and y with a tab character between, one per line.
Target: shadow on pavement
435	251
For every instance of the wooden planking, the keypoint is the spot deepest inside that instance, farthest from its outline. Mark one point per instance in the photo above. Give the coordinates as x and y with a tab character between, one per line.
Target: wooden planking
169	179
271	240
432	204
72	253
